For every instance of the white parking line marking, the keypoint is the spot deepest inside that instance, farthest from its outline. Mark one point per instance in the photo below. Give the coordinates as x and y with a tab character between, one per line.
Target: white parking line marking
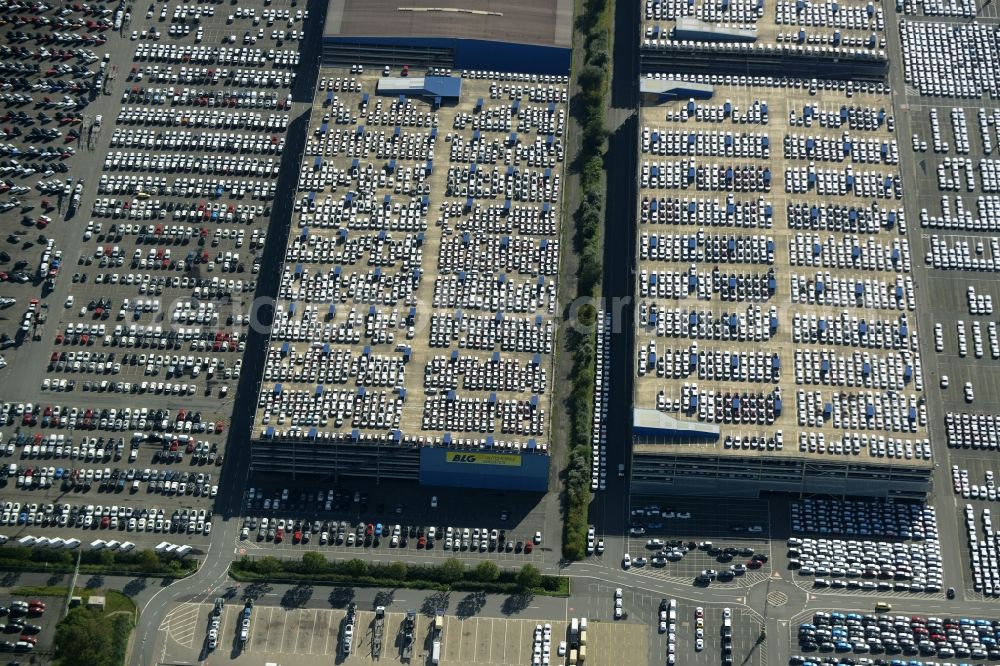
267	630
475	642
284	628
222	627
312	634
303	617
491	641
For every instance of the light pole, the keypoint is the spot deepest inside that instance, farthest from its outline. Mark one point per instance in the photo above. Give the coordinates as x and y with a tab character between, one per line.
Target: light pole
767	604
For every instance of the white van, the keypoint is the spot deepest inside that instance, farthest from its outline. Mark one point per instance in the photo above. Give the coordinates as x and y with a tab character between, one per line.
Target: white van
436	653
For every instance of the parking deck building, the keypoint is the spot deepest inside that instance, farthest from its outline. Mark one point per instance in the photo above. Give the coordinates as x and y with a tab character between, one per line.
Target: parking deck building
416	313
775	348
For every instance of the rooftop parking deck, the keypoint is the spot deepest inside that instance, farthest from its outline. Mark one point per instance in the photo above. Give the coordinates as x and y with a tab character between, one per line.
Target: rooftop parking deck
855	24
418	297
773	276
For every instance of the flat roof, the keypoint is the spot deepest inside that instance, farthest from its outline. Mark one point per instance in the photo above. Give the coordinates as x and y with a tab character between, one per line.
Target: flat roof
709	137
380	334
429	86
547	23
850	28
653	422
688	27
673	87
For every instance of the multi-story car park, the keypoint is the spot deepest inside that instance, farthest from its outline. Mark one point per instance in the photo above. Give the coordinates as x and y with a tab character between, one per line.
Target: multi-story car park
125	388
776	344
842	40
416	313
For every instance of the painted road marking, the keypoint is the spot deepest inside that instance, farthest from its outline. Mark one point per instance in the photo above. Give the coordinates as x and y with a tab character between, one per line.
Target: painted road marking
180	624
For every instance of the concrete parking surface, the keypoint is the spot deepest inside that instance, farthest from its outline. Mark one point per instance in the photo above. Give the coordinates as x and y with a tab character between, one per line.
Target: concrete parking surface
312	636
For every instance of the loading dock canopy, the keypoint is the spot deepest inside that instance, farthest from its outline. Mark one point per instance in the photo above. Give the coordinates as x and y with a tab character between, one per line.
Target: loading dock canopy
692	29
445	87
659	427
669	89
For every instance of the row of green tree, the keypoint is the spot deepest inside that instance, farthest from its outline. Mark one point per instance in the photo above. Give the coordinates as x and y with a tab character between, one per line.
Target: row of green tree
592	85
451	574
102	561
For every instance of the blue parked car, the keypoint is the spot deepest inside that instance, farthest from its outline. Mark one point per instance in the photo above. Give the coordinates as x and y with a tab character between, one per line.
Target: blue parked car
842	646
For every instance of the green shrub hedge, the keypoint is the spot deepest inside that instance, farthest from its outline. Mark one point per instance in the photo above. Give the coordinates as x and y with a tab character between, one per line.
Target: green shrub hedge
143	562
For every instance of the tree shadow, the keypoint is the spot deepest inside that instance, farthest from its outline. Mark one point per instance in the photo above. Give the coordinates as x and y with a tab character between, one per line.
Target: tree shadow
10	578
55	579
134	586
297	596
341	596
256	590
383	597
95	582
516	603
470	605
433	602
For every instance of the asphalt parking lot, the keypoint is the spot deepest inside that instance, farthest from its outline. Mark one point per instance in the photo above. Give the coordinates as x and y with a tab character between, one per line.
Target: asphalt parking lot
705	517
47	621
517	515
942	166
136	364
723	530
